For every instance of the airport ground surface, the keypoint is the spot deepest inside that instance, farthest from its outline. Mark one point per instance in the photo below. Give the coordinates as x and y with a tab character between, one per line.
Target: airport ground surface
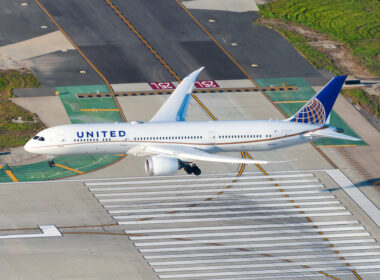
300	220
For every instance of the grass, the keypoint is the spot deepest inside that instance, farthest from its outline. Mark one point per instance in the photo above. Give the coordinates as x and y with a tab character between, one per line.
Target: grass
315	57
354	22
16	134
365	101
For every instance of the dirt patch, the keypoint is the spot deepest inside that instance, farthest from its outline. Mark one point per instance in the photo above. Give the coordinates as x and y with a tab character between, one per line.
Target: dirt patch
337	51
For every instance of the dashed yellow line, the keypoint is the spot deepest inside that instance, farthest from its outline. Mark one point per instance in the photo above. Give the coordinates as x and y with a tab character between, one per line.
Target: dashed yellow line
68	168
100	110
142	39
203	106
11	175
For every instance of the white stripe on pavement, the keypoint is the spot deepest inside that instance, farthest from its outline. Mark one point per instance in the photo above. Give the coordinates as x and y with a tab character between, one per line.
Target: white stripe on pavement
240	190
254	246
192	185
331	250
316	195
335	223
273	264
159	181
271	271
202	208
252	239
286	203
228	218
267	258
354	192
236	233
219	213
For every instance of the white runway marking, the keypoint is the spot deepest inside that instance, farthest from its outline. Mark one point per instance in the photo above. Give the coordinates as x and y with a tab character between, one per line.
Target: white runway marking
342	252
317	196
271	271
356	195
240	190
197	228
242	217
237	233
235	184
203	208
273	264
286	225
47	231
254	246
218	213
239	202
252	239
201	179
269	258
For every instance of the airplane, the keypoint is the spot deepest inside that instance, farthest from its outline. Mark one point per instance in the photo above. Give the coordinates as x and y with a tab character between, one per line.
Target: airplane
171	143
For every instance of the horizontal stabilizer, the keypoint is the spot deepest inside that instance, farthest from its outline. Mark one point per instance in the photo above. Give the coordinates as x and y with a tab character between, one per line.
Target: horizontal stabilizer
331	133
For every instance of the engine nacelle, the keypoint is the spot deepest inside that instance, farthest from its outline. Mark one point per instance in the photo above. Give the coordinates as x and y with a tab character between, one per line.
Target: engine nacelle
161	165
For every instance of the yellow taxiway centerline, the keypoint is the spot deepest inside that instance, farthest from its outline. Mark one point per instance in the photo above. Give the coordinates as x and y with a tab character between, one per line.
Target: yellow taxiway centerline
11	175
68	168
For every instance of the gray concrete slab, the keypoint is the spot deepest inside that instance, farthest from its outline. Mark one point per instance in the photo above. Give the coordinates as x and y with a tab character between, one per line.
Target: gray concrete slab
107	41
256	44
182	44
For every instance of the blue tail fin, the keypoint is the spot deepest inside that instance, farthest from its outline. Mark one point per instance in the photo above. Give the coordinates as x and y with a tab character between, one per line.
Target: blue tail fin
317	110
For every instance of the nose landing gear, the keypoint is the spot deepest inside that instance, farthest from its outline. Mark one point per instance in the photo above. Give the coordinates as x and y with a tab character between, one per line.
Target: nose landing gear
51	163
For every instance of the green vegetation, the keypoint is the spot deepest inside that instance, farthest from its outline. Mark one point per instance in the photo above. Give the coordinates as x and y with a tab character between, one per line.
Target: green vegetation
15	134
365	101
354	22
315	57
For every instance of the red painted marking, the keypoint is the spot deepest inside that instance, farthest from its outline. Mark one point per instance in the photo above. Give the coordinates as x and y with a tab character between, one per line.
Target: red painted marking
206	84
162	85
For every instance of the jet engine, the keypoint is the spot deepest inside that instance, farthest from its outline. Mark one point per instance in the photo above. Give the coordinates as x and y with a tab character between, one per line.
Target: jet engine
161	165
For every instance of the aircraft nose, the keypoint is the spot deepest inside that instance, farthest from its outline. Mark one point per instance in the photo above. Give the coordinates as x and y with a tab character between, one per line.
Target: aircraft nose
28	146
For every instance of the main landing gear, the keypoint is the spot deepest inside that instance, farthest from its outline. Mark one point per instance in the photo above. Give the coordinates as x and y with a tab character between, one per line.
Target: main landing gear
192	168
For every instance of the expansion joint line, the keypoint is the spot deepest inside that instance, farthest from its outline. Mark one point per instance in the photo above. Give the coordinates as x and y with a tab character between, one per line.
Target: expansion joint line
112	93
143	40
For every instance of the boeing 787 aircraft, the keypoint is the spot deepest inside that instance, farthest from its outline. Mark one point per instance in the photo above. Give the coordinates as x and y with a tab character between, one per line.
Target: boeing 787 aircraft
171	143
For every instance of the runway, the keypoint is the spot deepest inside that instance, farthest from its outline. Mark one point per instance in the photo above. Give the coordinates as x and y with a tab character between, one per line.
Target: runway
220	226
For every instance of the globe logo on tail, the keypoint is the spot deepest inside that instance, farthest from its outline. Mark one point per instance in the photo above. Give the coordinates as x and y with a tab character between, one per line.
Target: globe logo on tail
313	112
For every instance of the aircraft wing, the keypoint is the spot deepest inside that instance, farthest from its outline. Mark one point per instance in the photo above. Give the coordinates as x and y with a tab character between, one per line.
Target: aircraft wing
193	154
175	108
331	133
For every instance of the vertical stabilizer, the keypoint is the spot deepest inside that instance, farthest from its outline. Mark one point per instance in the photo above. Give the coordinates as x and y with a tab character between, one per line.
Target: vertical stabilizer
317	110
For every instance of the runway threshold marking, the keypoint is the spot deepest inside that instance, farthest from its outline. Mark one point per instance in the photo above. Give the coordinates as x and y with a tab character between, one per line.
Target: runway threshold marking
99	110
142	39
86	59
11	175
69	168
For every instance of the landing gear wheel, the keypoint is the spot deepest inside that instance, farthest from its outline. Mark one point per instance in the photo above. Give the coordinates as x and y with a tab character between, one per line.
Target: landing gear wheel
51	163
196	170
188	169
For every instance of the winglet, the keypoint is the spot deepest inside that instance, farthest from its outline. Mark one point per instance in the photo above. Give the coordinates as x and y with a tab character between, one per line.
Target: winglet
175	108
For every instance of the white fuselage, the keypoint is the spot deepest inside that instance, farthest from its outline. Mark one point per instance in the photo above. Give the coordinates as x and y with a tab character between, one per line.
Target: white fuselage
211	136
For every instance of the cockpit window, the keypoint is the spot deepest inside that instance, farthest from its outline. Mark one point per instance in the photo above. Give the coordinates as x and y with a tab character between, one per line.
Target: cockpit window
36	137
41	139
